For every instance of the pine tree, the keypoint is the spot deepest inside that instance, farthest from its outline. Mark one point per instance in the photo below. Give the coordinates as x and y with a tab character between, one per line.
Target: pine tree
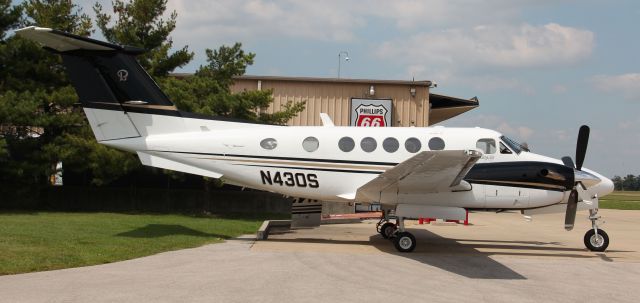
139	23
40	123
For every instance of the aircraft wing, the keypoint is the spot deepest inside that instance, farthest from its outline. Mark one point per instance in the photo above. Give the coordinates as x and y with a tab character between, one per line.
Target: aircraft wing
426	172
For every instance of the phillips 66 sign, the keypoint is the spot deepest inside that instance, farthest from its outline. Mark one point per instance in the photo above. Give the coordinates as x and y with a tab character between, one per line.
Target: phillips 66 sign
371	112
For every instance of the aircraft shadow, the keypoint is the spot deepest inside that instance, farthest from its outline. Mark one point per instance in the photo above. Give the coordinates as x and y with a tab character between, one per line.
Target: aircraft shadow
464	259
163	230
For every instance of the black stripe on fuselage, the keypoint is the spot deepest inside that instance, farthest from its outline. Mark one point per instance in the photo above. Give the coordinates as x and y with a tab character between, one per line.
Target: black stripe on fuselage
316	169
513	174
390	164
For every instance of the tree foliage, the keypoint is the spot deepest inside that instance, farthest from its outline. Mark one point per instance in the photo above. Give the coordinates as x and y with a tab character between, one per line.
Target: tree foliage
209	90
9	17
139	23
629	182
40	124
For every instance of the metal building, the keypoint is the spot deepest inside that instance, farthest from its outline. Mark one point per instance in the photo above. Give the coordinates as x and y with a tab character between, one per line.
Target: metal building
405	103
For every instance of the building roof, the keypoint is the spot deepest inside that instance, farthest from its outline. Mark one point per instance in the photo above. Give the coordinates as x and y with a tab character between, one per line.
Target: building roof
442	107
426	83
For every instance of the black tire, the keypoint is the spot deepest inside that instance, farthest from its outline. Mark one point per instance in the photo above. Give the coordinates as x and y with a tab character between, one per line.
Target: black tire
593	244
387	230
404	242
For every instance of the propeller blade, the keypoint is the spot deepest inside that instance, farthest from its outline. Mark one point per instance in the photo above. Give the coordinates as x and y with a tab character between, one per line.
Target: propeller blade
568	162
581	146
572	207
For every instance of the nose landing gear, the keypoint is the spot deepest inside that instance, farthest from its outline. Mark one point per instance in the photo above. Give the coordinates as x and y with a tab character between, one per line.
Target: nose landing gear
596	239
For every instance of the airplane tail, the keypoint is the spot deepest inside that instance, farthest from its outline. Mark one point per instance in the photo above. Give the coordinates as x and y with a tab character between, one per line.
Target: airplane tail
116	93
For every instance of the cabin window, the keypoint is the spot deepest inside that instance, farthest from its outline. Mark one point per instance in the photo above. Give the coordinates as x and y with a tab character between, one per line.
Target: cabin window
368	144
436	143
269	143
487	146
310	144
390	145
346	144
412	145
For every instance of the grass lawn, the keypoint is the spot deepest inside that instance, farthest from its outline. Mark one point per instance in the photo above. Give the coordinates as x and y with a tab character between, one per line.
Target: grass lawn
628	200
44	241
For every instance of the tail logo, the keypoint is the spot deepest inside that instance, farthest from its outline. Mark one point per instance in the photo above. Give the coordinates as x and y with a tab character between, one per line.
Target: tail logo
122	75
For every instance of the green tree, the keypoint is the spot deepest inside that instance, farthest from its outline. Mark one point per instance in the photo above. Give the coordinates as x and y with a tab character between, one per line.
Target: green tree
139	23
209	90
9	17
40	124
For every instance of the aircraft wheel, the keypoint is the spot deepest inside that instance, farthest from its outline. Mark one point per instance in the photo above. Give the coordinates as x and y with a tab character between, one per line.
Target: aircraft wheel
595	242
404	242
387	230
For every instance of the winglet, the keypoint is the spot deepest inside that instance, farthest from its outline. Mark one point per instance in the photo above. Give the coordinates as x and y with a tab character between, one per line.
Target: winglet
326	120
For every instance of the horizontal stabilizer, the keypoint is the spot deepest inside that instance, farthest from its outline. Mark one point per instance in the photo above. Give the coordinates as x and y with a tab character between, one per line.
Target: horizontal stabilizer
64	42
159	162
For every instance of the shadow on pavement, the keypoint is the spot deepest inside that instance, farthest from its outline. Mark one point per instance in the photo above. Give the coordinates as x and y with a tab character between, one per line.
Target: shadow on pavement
163	230
463	256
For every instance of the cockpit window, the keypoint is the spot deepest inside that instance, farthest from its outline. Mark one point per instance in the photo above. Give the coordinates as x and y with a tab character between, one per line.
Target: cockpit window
504	149
513	145
487	146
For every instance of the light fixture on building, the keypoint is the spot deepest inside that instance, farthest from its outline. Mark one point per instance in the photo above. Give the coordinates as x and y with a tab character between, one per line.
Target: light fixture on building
412	91
372	90
346	58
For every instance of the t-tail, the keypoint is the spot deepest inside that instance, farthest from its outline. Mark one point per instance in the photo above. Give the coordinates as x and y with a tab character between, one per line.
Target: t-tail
110	83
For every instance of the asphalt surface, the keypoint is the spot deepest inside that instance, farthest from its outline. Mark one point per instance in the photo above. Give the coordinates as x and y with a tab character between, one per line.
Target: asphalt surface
500	258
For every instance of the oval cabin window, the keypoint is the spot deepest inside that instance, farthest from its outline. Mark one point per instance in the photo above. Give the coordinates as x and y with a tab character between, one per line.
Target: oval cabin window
310	144
390	145
346	144
269	143
412	145
436	143
368	144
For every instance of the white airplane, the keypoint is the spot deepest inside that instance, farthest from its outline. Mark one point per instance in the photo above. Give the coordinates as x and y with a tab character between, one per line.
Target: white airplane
413	172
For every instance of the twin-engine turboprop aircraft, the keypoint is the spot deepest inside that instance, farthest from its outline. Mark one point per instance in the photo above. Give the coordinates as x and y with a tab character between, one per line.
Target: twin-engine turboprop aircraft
415	172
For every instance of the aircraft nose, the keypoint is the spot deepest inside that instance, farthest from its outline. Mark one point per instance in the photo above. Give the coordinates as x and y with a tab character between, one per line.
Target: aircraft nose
605	187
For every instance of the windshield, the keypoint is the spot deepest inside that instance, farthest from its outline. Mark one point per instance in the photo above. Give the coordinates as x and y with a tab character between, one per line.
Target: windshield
513	145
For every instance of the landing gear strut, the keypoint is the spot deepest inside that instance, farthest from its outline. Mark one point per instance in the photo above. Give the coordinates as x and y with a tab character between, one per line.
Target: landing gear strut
596	239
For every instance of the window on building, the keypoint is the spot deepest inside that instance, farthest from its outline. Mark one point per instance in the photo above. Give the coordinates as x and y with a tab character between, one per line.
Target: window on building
390	145
436	143
269	143
368	144
310	144
487	146
412	145
346	144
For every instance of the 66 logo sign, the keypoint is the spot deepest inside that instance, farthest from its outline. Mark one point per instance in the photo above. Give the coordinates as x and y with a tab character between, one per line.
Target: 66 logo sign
370	115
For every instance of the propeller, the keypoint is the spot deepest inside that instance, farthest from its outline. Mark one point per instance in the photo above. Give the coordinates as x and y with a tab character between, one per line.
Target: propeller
581	151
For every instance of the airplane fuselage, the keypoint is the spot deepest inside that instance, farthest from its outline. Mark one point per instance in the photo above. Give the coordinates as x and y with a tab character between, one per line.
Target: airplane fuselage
331	163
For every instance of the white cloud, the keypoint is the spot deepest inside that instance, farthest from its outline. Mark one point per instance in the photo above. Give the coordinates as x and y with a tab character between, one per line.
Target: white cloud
495	46
626	84
559	89
235	19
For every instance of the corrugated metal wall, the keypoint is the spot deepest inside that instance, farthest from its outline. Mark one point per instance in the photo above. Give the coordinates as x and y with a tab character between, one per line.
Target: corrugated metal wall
334	98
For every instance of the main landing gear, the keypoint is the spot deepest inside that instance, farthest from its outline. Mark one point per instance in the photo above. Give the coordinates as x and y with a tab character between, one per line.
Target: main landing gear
403	240
596	239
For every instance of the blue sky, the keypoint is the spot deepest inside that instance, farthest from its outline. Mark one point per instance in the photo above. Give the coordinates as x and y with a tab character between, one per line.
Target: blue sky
540	68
